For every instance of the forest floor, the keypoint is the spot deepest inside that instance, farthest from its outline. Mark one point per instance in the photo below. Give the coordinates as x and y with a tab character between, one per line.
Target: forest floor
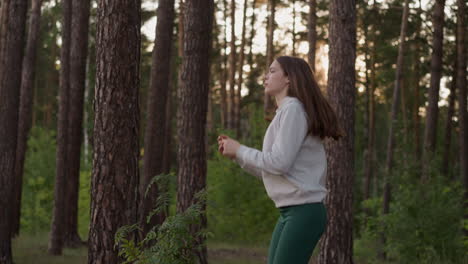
28	249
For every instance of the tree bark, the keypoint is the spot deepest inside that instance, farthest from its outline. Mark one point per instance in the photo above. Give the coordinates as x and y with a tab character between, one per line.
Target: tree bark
192	109
114	184
78	55
432	111
461	87
448	122
268	101
416	75
11	56
232	71
250	58
155	134
60	188
337	244
312	33
294	28
241	72
223	73
25	109
369	168
394	117
167	157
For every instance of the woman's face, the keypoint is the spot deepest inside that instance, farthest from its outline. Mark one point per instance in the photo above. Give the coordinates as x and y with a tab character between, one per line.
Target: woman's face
276	82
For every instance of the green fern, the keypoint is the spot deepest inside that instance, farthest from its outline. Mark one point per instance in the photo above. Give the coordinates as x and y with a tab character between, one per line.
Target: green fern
172	241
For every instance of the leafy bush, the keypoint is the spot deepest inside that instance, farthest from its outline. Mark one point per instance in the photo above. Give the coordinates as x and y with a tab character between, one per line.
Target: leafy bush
172	241
38	181
84	201
424	224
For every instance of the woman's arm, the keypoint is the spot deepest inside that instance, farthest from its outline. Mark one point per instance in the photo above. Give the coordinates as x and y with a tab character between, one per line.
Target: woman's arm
251	170
292	132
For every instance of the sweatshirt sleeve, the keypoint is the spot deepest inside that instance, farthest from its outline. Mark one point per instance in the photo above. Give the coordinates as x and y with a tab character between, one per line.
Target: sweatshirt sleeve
287	143
252	170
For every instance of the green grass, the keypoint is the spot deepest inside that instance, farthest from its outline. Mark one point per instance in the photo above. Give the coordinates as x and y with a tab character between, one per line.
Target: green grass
28	249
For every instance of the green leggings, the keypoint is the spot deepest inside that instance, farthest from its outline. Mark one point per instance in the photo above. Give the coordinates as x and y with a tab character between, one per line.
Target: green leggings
297	231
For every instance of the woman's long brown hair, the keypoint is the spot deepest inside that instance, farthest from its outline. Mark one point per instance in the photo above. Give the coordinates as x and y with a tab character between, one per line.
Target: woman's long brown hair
323	121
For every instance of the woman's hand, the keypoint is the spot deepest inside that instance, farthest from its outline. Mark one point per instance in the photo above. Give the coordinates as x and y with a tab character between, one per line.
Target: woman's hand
227	146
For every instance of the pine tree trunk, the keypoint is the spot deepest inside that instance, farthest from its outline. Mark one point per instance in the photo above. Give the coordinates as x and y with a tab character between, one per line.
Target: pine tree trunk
223	72
394	117
312	33
337	244
12	29
432	111
192	109
87	100
241	72
268	100
370	61
461	87
155	136
61	175
78	55
371	143
25	109
416	117
250	56
294	28
114	184
232	70
448	122
167	157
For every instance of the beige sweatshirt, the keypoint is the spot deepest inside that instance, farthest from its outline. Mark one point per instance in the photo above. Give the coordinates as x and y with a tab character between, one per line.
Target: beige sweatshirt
293	166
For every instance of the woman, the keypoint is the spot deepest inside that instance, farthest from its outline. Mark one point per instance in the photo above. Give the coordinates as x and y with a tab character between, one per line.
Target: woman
292	163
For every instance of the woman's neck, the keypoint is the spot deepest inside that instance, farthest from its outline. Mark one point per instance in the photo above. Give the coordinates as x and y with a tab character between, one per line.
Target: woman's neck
279	98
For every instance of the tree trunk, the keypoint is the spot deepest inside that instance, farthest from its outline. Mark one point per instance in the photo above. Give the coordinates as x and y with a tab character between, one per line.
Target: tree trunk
223	79
416	118
11	56
269	107
25	109
60	188
369	168
171	103
192	109
250	58
461	87
155	136
448	122
430	132
371	143
114	184
337	244
78	55
312	33
167	157
87	100
232	70
241	72
294	28
394	117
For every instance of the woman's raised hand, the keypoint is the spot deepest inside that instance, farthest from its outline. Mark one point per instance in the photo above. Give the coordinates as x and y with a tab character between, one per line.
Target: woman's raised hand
227	146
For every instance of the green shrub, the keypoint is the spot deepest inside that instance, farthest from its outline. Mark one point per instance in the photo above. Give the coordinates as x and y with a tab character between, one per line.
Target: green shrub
424	224
172	241
38	181
84	200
